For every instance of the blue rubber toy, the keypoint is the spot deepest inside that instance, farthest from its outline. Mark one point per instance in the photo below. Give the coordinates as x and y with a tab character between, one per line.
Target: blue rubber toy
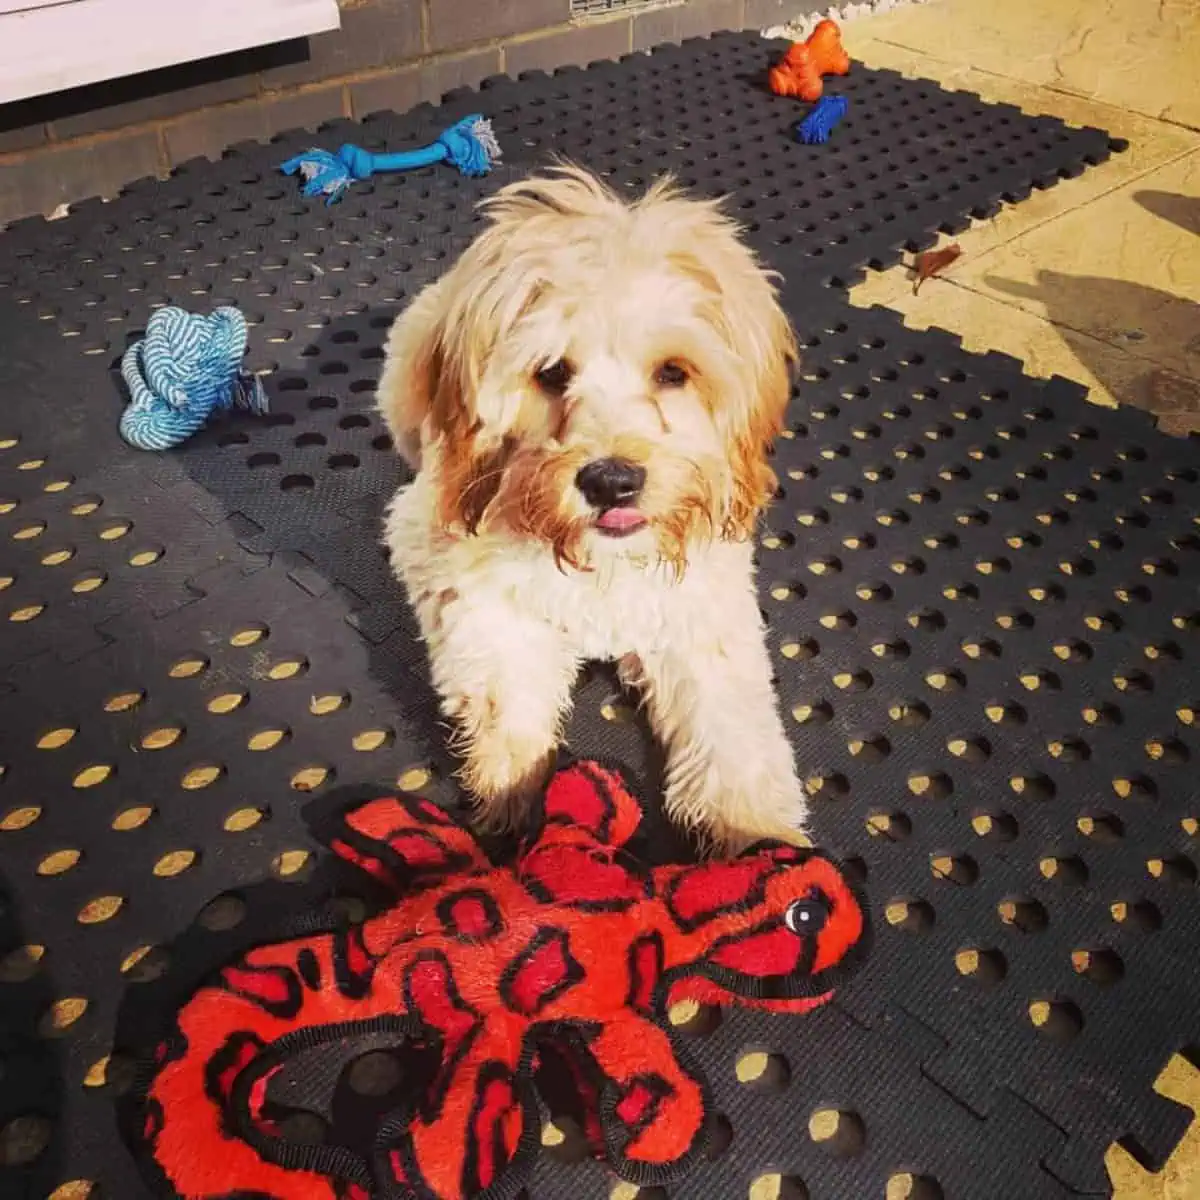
821	121
470	145
187	370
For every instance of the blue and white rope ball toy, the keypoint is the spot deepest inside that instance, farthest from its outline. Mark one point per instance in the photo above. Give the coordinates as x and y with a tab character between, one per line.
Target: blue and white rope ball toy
470	145
185	371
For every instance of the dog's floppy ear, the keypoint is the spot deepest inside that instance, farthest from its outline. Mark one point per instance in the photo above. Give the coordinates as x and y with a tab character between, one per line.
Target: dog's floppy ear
746	313
409	380
768	351
445	411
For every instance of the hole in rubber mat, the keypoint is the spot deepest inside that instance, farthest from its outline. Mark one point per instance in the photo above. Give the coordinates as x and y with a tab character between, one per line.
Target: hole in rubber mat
93	776
826	785
375	1074
910	914
778	1187
1102	966
958	869
222	913
818	712
174	863
838	1132
24	1139
694	1019
295	865
268	739
894	826
188	667
162	737
930	785
100	909
1141	915
60	1018
304	1128
763	1071
287	668
55	739
631	1191
245	818
330	702
21	964
120	702
905	1186
76	1189
1035	787
59	862
984	966
146	964
114	1072
1068	870
564	1141
1023	913
1058	1020
201	776
1135	787
1175	869
1101	827
132	818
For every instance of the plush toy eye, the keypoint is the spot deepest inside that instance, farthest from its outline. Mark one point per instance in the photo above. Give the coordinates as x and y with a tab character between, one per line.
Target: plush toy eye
806	916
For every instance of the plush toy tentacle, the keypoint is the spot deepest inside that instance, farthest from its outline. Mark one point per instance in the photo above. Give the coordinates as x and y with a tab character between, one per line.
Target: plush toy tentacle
477	1121
591	803
406	842
207	1107
652	1109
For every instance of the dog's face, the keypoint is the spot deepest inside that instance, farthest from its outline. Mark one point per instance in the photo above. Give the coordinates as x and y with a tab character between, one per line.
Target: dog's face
603	377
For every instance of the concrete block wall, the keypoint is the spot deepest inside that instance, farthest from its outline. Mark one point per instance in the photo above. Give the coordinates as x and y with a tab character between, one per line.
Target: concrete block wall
388	54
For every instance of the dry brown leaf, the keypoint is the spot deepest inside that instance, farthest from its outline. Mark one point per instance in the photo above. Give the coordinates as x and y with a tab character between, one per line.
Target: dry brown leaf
932	262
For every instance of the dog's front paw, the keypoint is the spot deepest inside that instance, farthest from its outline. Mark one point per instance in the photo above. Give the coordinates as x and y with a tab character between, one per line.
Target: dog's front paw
730	812
504	776
504	766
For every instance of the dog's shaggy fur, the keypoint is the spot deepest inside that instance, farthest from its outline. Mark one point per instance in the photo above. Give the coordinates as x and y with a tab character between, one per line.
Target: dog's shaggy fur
581	330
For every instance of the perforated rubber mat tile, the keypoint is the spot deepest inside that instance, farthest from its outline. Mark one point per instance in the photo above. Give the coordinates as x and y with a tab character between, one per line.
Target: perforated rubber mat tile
982	597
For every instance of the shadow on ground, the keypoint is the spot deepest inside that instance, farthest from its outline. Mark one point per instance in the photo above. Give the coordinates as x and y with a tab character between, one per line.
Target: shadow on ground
1128	316
1183	211
31	1072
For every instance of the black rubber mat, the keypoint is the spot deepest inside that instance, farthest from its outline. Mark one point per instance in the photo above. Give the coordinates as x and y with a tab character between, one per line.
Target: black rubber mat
982	595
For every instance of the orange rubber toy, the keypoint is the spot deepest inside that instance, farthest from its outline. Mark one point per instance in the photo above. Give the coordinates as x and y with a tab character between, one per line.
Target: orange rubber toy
799	71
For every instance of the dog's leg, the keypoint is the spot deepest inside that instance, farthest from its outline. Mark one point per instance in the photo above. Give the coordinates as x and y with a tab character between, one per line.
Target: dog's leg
730	771
505	680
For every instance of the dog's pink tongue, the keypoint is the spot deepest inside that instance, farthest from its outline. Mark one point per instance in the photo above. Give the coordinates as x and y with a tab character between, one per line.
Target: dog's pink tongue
621	520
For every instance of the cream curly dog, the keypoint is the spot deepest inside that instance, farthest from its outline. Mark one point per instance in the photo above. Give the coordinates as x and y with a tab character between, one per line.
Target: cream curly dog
587	398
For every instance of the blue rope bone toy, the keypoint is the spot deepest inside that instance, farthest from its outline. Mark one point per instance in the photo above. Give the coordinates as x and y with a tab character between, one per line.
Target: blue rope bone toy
821	120
186	370
470	145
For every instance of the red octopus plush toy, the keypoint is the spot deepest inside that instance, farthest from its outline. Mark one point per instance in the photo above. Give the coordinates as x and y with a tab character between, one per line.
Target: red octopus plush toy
576	949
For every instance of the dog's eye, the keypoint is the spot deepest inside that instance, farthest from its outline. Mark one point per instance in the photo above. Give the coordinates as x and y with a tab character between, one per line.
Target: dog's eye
556	378
671	375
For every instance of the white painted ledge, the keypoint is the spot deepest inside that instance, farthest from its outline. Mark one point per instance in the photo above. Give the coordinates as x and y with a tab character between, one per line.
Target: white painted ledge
51	45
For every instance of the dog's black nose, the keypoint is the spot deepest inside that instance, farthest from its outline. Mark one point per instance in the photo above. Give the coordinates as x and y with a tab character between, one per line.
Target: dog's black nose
610	482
